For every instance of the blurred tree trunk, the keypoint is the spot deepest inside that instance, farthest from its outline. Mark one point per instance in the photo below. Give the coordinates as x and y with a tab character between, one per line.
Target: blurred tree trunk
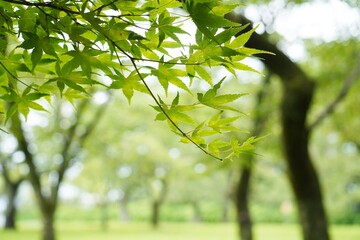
12	188
11	209
104	214
48	223
298	91
124	213
47	204
243	187
47	198
157	199
155	213
242	204
197	212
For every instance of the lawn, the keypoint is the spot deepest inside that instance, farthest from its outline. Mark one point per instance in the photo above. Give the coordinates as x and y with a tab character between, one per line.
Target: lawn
169	231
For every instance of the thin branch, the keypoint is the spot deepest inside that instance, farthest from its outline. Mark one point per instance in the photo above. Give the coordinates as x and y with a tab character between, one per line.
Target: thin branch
167	115
351	78
104	6
6	174
16	78
67	155
167	62
48	15
5	171
42	4
120	16
95	121
65	150
34	175
159	104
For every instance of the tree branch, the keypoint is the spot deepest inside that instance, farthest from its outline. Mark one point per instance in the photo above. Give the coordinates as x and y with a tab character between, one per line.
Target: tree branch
5	171
158	103
17	130
42	4
348	82
16	78
65	151
92	125
167	115
104	6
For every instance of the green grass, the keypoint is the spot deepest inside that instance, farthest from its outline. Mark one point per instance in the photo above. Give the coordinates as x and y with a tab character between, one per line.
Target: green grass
169	231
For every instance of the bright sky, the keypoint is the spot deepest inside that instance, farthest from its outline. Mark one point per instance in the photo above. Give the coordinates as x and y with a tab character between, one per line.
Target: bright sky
323	20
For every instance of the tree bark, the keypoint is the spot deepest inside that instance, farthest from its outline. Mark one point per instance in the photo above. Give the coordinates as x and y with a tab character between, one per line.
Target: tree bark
242	204
11	189
155	213
48	232
11	209
298	90
302	173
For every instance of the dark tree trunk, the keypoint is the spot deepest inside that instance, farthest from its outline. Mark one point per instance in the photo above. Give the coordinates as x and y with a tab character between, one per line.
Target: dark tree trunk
242	206
157	200
298	90
155	213
303	176
48	232
243	186
11	209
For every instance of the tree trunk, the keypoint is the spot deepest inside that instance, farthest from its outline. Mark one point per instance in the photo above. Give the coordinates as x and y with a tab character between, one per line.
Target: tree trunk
104	215
124	213
157	199
242	207
11	209
303	176
298	90
197	212
155	213
243	186
48	232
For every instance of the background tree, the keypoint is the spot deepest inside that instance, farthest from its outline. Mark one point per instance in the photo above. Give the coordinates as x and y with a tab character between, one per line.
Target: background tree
136	156
53	161
242	190
12	178
291	122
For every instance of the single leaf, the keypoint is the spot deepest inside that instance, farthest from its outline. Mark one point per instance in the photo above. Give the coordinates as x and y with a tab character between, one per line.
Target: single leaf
36	56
